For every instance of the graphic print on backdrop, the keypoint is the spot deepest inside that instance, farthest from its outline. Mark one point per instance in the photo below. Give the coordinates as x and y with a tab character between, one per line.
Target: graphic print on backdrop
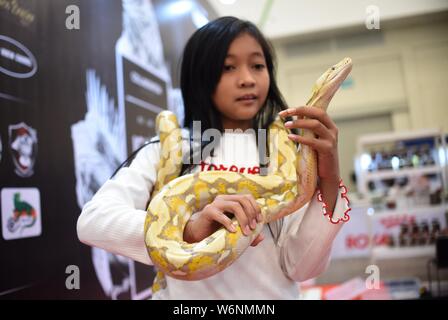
97	140
143	89
23	145
98	151
15	59
21	215
144	84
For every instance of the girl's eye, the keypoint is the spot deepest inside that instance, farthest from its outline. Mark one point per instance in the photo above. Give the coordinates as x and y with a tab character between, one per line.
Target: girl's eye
228	67
259	66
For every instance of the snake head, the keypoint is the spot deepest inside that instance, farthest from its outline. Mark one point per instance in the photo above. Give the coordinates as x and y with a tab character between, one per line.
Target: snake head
329	82
337	73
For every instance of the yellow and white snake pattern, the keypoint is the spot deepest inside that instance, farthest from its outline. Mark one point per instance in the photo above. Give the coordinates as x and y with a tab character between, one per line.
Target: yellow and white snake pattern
290	183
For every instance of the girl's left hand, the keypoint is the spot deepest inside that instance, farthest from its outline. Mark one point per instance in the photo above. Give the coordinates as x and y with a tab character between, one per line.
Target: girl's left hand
325	142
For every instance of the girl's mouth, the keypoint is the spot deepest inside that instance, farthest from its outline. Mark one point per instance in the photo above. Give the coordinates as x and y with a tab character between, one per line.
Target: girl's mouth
247	97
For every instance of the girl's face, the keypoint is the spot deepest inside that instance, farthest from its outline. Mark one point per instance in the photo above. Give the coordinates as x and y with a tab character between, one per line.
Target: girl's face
244	83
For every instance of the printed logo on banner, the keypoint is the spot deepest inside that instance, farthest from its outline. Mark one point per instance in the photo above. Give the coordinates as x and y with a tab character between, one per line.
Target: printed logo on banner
15	59
21	215
18	11
23	144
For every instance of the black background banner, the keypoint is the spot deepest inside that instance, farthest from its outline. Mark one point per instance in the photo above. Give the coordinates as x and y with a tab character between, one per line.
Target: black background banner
47	72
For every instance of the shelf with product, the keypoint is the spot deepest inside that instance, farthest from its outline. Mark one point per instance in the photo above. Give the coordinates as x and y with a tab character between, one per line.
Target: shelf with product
407	233
403	175
403	169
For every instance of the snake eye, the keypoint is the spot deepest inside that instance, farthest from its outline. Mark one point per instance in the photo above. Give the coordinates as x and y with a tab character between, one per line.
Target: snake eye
333	68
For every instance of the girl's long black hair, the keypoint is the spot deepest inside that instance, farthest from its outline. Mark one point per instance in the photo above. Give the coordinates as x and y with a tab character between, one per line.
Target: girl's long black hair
201	69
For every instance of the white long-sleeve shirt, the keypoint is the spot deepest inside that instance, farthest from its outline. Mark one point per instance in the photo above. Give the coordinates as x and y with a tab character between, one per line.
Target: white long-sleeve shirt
114	220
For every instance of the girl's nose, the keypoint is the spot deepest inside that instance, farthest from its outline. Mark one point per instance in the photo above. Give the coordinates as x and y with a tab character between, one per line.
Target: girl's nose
246	79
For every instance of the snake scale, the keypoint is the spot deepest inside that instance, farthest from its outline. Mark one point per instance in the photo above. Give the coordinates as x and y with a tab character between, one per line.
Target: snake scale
290	183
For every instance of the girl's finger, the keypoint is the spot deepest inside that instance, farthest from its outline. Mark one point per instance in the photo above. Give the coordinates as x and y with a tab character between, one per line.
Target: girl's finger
310	112
248	207
312	124
256	207
319	145
236	208
221	218
249	210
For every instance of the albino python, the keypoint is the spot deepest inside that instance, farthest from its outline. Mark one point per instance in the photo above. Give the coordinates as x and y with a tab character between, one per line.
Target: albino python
290	183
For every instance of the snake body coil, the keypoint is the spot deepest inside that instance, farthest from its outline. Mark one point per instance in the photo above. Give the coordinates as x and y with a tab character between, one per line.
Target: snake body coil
289	184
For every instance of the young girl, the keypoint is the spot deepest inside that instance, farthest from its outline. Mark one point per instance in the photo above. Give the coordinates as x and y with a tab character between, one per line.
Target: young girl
228	82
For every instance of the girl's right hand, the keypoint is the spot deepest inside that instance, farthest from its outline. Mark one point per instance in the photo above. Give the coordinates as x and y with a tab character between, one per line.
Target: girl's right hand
218	213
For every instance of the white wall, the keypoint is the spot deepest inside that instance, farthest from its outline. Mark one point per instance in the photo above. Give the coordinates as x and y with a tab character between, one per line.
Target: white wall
402	71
